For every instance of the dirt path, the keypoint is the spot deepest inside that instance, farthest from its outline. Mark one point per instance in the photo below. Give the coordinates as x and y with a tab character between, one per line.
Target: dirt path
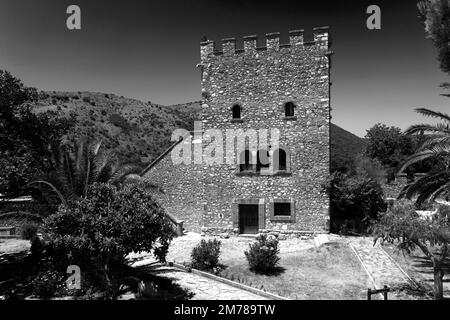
381	268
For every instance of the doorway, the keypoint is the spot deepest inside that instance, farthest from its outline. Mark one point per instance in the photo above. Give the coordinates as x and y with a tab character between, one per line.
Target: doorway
248	218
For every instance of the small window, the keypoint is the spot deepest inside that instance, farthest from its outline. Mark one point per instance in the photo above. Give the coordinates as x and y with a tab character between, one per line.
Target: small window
245	161
236	110
282	209
289	109
280	159
262	160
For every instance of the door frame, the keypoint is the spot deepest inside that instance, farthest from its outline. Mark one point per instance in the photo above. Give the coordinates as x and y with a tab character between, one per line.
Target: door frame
261	211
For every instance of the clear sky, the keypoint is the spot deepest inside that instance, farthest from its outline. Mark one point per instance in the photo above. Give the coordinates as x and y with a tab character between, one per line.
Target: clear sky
148	50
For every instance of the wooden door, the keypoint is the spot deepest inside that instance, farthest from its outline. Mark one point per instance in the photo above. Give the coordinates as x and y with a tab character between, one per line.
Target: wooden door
248	218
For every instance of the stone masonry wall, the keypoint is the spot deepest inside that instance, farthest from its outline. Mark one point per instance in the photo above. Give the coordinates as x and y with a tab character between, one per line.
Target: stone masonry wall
182	189
261	81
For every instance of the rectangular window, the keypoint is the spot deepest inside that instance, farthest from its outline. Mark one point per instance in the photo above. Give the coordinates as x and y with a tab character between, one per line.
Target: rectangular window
282	209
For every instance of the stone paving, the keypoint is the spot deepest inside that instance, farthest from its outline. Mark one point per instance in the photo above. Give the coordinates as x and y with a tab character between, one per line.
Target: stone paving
203	288
382	270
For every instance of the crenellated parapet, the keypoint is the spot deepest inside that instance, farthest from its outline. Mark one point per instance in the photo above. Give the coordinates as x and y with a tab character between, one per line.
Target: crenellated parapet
228	47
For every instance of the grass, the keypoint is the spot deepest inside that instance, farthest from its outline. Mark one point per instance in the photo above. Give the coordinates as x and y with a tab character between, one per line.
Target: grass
330	272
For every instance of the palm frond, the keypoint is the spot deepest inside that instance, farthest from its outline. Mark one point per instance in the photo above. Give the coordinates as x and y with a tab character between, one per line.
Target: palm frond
437	129
415	158
67	168
52	187
434	114
425	187
121	172
441	190
431	141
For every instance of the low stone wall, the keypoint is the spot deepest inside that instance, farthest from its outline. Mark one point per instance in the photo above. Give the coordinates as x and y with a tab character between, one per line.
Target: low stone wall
280	234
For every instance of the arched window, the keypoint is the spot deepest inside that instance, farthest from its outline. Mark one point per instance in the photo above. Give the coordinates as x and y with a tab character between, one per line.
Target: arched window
262	160
280	160
289	109
236	110
282	164
245	161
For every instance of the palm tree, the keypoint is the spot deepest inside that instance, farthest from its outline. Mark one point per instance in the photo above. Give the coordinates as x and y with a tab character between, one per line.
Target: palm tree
74	171
436	145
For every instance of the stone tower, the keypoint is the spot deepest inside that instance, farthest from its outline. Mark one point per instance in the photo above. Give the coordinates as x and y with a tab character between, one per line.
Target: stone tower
279	86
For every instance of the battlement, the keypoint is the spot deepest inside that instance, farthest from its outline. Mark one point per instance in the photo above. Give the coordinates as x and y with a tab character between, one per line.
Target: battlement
296	39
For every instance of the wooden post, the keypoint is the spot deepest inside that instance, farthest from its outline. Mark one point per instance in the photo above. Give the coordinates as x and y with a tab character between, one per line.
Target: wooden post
180	228
385	291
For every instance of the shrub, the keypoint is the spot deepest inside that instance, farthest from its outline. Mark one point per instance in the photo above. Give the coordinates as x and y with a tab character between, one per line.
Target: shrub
205	256
48	282
29	231
354	202
98	232
87	99
262	255
119	121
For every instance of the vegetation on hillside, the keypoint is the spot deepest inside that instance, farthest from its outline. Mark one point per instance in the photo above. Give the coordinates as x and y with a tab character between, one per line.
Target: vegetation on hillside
25	137
344	147
136	131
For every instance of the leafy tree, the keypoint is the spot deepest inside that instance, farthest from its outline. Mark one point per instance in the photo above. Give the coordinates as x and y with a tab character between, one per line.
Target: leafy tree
388	145
372	168
354	200
403	226
97	232
25	137
435	145
434	139
435	16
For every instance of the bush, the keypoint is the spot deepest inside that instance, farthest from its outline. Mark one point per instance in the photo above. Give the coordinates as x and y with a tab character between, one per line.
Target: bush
205	256
262	255
29	231
119	121
99	231
87	99
48	282
354	202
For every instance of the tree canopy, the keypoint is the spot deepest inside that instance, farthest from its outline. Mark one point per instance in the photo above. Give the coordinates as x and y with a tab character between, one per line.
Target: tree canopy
403	226
435	16
25	137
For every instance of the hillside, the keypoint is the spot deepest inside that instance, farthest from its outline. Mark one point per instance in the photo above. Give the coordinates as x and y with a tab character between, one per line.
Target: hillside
140	131
136	130
344	147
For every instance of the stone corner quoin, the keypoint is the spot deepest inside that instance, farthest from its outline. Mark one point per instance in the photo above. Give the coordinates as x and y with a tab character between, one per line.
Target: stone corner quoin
261	82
